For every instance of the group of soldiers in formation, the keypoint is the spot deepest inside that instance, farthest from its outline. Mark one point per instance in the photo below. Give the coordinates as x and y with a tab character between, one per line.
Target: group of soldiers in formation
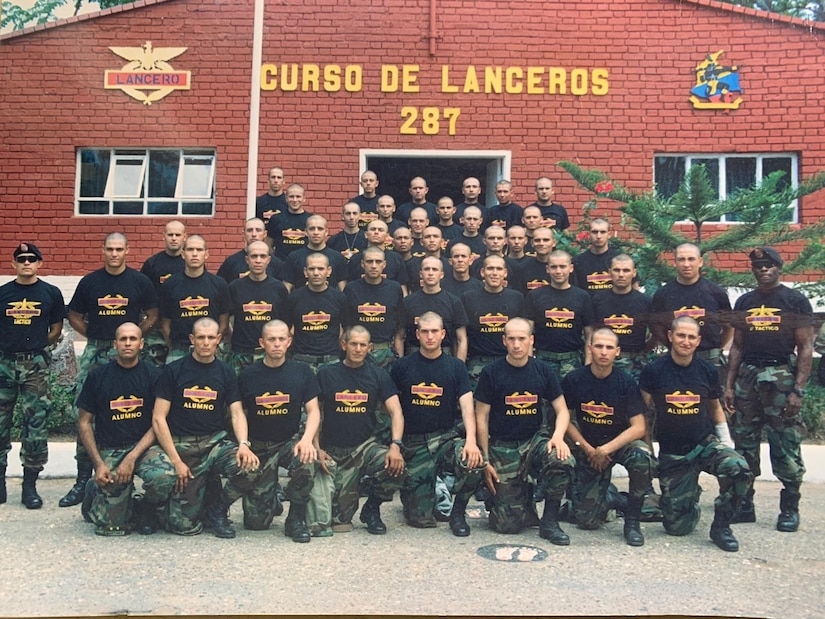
421	343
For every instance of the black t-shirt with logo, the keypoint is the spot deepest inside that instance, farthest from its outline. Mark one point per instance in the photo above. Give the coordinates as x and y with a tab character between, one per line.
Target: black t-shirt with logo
272	398
200	394
108	300
627	314
29	310
350	399
268	206
591	272
560	317
288	231
703	301
235	267
316	318
161	267
395	269
530	274
297	261
602	406
446	305
768	320
515	397
681	395
488	312
376	307
121	401
185	300
429	390
254	303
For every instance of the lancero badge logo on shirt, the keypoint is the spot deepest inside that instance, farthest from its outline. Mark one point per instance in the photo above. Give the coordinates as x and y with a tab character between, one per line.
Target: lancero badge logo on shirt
200	398
686	403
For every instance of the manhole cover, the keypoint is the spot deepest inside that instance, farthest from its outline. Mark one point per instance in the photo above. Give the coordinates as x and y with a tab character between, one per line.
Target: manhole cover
512	553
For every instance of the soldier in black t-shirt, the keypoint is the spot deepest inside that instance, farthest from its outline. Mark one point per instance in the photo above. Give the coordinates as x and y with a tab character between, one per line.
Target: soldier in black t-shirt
628	313
115	425
287	229
273	202
532	271
764	386
254	300
394	269
193	396
433	387
352	394
350	241
191	295
553	215
609	427
235	266
158	268
562	315
273	392
104	300
317	235
591	268
512	436
376	303
315	312
31	322
368	199
418	191
457	278
683	391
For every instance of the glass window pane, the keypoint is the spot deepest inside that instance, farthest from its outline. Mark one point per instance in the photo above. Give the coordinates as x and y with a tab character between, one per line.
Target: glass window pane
773	164
163	173
93	207
740	173
128	178
668	174
94	170
163	208
197	177
196	208
128	208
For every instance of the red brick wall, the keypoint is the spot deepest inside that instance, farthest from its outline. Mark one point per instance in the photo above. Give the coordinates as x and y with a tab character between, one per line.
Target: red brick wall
649	48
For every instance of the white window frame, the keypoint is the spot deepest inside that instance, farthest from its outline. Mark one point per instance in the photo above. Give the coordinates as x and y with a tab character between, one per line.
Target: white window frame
123	159
722	179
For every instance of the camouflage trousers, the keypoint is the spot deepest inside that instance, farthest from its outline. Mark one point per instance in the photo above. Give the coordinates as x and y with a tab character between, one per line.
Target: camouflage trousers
202	454
383	355
679	478
426	457
368	458
760	403
715	357
562	362
259	498
96	353
240	360
25	381
589	490
113	503
155	348
515	461
177	351
632	362
476	363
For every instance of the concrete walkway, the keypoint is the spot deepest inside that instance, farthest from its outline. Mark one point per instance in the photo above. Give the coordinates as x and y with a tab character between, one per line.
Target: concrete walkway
62	463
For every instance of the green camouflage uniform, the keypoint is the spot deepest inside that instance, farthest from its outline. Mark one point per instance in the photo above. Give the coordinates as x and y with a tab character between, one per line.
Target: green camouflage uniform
679	477
25	382
562	362
590	488
632	363
112	506
366	459
259	499
240	360
760	401
475	364
512	506
427	456
155	349
383	356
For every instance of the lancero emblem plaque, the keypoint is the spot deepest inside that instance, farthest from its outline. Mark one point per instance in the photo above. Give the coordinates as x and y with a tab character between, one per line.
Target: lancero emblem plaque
147	77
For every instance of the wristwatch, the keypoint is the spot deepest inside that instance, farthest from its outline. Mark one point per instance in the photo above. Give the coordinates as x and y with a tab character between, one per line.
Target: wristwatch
247	443
799	392
398	442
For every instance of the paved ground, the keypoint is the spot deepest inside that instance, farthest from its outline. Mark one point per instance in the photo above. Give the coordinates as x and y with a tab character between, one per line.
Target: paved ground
52	564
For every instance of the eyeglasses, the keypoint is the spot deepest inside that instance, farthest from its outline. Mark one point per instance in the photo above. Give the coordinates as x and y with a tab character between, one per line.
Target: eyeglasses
25	259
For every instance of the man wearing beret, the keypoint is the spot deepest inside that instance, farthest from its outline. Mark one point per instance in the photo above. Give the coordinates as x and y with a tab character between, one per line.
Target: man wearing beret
766	380
31	320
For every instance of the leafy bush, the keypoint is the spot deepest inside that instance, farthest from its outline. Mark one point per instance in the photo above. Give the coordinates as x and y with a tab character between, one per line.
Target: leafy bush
61	418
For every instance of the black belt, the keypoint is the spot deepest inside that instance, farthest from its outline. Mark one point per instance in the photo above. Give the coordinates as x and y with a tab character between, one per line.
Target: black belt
766	363
315	358
21	356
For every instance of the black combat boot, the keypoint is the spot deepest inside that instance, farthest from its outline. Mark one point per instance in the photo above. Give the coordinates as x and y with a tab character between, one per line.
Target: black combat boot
371	516
746	512
458	518
146	522
788	521
549	528
30	498
218	516
75	495
632	531
295	525
721	534
88	498
3	496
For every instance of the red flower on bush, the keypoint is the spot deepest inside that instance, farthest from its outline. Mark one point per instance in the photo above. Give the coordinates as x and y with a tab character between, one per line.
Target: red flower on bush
603	187
582	236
